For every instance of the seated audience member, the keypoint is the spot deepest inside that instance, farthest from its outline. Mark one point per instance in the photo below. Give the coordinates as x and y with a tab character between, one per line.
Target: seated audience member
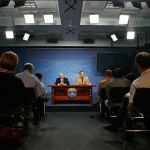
62	80
142	60
44	97
11	88
118	81
102	84
143	65
130	77
82	79
30	80
39	76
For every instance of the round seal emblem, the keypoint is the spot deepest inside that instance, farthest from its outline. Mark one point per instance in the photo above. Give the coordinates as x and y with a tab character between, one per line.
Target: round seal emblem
72	92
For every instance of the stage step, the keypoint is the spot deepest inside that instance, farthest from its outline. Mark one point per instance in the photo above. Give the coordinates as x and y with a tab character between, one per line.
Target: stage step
71	108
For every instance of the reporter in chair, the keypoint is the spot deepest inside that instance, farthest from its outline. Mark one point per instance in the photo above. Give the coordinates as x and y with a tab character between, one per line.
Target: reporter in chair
30	80
11	88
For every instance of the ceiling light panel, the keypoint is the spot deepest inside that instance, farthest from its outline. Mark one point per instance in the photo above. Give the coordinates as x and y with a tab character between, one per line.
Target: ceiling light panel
123	19
94	18
130	35
48	18
29	18
9	34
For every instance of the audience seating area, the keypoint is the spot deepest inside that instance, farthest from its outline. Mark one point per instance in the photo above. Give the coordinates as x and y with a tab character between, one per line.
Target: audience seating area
14	128
140	123
115	97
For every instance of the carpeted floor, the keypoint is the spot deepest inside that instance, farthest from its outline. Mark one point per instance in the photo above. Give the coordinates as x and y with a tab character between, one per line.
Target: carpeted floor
77	131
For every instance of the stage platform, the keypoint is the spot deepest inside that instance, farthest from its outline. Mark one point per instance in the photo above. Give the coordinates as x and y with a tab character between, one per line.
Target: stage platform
71	107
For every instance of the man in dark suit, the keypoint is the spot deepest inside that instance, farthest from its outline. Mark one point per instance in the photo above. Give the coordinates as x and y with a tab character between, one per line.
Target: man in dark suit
62	80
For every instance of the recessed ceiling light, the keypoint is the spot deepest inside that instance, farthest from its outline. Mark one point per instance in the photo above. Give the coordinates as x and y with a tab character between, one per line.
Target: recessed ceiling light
48	18
123	19
130	35
26	36
29	18
9	34
114	38
94	18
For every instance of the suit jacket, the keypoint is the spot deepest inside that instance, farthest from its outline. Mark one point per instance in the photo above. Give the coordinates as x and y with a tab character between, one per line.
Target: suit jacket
58	81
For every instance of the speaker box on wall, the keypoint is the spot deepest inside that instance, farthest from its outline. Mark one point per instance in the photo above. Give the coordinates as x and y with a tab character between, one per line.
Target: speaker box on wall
88	41
52	40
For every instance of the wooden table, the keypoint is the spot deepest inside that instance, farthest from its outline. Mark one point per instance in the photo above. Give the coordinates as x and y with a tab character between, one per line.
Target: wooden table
71	93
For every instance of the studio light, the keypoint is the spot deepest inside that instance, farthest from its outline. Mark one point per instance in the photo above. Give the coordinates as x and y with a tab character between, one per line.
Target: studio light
48	18
29	18
137	5
4	3
19	3
114	38
123	19
94	18
148	4
130	35
118	4
26	37
9	34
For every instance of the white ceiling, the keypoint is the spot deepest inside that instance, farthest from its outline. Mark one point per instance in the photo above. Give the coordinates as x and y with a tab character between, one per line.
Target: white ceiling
76	19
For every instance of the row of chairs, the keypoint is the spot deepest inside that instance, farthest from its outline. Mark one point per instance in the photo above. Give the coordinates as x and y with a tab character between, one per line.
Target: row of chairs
115	97
12	127
139	123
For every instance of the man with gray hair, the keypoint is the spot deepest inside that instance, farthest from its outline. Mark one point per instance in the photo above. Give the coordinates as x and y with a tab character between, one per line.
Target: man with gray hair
62	80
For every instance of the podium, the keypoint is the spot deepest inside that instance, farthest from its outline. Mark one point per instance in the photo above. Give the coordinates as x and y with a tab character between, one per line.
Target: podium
71	93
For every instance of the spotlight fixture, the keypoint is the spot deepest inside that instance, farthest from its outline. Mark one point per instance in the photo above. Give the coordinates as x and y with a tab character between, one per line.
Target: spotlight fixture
4	3
123	19
19	3
94	18
26	37
29	18
137	4
48	18
148	4
130	35
118	4
9	34
114	38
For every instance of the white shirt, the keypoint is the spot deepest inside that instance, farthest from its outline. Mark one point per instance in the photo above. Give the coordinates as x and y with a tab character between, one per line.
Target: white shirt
44	90
142	82
32	81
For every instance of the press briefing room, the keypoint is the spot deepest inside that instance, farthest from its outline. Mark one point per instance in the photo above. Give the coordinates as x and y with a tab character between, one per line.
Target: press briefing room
74	74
